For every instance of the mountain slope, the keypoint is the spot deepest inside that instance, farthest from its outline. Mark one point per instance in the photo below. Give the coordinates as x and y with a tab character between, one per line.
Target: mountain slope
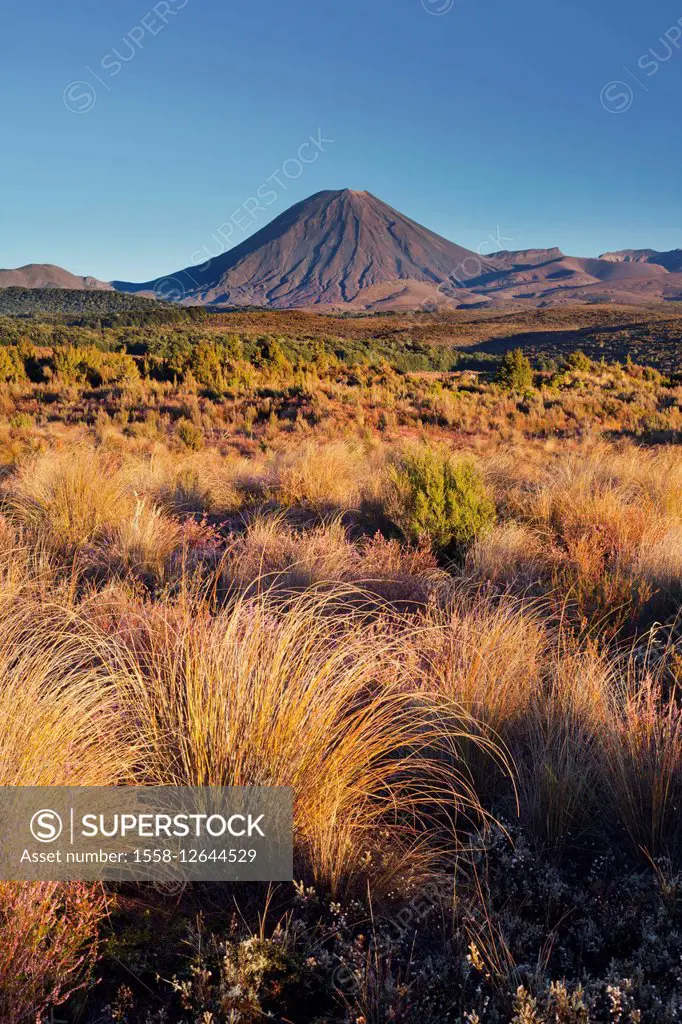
327	249
46	275
348	250
546	277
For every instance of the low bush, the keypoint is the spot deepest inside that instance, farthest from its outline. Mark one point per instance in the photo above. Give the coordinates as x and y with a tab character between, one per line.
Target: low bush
438	499
189	434
49	945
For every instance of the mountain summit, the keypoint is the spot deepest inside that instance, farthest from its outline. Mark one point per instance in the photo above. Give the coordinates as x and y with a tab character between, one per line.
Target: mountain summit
349	250
336	247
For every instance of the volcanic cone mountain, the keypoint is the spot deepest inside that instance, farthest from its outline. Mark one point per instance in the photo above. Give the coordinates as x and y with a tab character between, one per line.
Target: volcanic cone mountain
334	248
350	251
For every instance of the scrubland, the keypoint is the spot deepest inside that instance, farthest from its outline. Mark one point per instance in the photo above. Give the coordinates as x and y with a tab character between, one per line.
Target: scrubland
441	604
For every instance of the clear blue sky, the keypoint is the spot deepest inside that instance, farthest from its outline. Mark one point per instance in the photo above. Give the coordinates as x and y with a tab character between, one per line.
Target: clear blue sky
485	116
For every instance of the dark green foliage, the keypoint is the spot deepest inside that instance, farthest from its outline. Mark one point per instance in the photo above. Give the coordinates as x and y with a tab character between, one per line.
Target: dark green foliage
94	308
515	372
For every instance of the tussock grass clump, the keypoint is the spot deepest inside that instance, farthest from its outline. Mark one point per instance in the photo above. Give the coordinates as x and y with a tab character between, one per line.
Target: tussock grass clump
659	559
61	723
273	555
559	749
510	554
489	658
83	501
69	496
144	543
598	527
643	760
309	699
60	699
487	655
329	476
195	483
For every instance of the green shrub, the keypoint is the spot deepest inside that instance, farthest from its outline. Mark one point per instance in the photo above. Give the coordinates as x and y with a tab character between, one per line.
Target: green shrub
113	368
67	365
270	355
206	366
437	498
239	374
88	365
11	364
579	361
515	372
189	434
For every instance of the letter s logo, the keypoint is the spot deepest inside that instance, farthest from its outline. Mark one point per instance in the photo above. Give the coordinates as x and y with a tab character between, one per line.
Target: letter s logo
46	826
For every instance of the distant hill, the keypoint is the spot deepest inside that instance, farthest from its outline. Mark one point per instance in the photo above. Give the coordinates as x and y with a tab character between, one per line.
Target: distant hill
671	260
47	275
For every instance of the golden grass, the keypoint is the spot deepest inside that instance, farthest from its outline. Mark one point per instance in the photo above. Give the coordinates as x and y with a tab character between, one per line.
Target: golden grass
511	554
196	482
643	754
559	752
598	526
60	703
311	699
271	553
312	666
61	723
486	655
69	496
144	542
395	695
334	475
